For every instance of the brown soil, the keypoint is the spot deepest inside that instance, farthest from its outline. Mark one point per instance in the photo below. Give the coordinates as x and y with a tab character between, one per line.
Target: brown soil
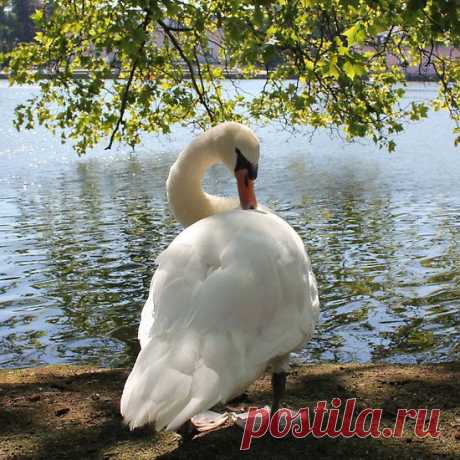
72	412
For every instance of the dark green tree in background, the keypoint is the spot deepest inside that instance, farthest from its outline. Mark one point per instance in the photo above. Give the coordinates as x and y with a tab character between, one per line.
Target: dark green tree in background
336	64
16	24
24	26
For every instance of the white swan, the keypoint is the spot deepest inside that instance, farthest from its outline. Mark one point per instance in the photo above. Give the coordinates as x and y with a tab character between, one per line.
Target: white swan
233	294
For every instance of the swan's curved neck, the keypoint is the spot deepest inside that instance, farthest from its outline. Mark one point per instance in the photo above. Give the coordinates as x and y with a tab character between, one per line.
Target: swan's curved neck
186	198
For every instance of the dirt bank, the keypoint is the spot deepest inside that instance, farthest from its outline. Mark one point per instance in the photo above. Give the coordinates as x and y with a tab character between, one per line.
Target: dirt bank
72	412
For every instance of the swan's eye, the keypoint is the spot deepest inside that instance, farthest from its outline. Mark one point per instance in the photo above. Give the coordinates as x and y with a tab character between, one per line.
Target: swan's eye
243	163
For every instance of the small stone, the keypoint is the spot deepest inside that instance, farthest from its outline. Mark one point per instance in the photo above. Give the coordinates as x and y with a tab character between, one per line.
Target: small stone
61	412
35	398
457	435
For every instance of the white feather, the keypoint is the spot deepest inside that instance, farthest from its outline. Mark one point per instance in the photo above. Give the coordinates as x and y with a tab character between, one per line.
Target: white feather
232	293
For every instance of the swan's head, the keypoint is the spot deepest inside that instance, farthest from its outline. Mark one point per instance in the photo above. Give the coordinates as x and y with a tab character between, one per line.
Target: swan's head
239	150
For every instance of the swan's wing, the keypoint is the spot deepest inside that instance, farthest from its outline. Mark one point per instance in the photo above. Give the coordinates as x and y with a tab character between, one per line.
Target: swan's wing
231	293
146	324
198	262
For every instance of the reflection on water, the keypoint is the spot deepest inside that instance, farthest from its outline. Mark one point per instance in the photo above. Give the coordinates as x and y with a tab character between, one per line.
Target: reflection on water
79	238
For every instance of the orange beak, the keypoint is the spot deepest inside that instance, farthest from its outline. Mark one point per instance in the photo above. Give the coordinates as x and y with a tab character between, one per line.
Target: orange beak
246	189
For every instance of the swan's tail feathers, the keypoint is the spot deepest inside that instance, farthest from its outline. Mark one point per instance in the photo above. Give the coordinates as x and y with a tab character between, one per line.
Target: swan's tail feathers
174	380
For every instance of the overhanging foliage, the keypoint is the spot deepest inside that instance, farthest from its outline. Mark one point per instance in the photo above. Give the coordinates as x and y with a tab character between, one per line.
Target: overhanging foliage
325	63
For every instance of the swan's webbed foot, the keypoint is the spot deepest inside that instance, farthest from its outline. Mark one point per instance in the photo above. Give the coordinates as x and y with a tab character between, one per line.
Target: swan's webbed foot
209	420
201	423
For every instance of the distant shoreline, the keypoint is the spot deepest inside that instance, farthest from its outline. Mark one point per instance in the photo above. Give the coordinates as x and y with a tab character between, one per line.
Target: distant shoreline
234	75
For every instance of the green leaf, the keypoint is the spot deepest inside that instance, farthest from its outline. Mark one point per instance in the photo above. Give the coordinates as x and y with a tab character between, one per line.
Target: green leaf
167	74
353	70
356	34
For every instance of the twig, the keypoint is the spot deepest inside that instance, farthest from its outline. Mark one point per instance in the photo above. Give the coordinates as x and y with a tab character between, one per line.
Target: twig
124	99
177	28
200	94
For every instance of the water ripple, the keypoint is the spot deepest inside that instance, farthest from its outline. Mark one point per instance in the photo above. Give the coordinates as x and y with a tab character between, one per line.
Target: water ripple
79	238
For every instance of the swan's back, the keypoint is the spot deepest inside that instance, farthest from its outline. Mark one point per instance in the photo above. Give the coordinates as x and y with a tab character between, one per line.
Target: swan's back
232	292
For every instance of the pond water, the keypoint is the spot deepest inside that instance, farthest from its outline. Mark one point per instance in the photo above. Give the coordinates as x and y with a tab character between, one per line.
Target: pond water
79	237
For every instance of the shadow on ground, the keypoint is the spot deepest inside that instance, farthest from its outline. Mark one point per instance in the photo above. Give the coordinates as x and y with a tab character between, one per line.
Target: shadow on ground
68	412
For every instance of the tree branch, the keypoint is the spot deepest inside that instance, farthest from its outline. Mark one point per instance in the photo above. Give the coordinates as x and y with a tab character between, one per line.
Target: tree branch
199	93
124	98
177	28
